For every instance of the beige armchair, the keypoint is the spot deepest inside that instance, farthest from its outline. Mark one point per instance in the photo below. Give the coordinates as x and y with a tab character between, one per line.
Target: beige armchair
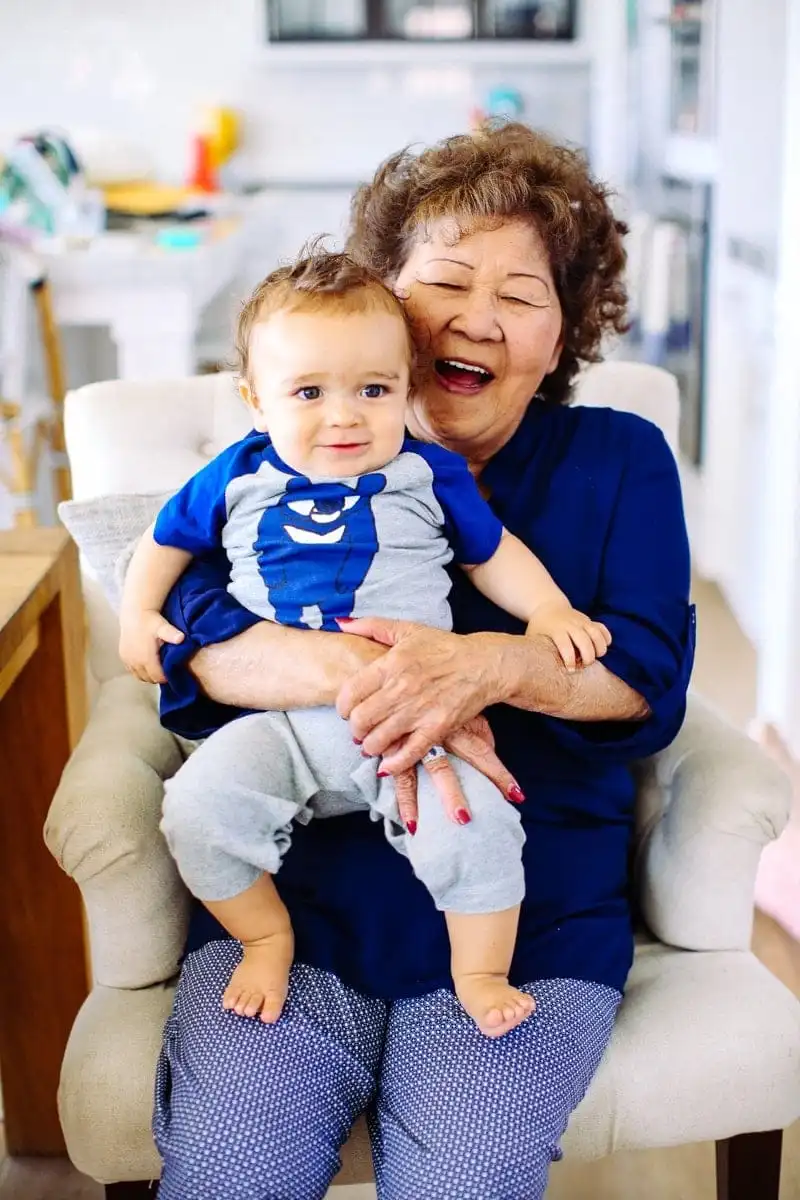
707	1045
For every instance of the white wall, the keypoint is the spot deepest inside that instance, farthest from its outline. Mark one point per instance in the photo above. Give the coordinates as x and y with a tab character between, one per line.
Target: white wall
752	89
779	662
143	70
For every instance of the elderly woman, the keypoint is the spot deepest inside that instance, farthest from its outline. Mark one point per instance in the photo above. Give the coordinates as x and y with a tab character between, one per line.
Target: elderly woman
509	261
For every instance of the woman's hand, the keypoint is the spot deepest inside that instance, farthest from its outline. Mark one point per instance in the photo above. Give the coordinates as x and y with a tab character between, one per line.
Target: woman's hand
429	684
474	744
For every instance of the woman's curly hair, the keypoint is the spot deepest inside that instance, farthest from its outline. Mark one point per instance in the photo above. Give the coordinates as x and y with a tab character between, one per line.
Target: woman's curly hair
483	178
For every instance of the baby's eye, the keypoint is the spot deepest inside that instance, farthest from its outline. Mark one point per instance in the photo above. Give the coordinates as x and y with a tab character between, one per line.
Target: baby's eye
309	393
373	391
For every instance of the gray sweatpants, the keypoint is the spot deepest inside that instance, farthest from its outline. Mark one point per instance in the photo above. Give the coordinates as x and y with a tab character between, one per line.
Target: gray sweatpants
228	812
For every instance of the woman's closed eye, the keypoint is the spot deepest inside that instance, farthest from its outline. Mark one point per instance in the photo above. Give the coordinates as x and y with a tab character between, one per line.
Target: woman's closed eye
522	301
540	298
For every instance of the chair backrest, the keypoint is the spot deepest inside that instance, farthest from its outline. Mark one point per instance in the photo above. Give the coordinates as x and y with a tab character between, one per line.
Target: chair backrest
151	436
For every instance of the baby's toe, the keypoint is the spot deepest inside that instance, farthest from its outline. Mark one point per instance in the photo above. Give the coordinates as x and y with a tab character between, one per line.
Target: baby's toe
231	996
272	1008
253	1004
494	1018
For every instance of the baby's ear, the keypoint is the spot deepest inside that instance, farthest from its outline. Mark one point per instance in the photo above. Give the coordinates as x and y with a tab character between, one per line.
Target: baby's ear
251	400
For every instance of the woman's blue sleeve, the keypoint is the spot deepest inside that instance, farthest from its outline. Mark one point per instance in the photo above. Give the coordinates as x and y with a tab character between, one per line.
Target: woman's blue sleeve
643	598
203	609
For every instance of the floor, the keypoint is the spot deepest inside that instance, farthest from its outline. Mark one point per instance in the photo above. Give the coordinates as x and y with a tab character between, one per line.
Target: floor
725	673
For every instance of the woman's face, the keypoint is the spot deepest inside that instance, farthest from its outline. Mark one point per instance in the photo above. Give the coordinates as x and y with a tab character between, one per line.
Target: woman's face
486	306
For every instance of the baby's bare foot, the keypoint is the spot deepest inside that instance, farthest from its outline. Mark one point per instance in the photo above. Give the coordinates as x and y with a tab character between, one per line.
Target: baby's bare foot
494	1005
260	982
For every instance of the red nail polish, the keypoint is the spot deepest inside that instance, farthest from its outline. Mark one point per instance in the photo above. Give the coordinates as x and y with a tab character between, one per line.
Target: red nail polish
411	826
345	620
462	816
358	741
365	755
516	794
383	774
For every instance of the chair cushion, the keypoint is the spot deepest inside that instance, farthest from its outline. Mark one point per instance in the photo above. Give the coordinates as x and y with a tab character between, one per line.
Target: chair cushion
106	530
707	1045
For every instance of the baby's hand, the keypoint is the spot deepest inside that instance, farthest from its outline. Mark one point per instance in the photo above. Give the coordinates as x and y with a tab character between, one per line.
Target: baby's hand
578	639
141	636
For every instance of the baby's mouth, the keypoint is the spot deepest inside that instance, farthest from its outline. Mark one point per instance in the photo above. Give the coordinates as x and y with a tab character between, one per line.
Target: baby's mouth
458	375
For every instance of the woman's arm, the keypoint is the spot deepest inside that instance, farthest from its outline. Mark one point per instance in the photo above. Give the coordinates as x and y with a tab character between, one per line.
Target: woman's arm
432	682
532	675
627	708
276	666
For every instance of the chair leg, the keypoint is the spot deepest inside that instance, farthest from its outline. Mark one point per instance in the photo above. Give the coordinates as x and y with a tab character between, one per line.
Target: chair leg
140	1190
749	1166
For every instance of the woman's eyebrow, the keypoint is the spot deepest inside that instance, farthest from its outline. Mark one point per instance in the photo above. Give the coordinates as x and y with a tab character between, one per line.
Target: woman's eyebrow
459	261
527	275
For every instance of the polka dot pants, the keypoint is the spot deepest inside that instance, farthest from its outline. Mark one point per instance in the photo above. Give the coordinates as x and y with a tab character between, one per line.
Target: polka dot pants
246	1111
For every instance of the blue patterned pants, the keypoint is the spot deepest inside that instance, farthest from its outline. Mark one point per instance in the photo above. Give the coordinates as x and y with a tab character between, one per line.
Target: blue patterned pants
246	1111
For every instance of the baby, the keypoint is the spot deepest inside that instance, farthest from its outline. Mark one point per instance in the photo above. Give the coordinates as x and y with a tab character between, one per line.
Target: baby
330	510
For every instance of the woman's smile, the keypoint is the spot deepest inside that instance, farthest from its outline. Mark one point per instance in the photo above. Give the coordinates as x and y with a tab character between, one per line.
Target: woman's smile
461	376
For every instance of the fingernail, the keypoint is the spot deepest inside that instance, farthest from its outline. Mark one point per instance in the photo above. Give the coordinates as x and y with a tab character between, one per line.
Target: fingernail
358	741
383	774
365	755
516	794
345	620
411	826
462	816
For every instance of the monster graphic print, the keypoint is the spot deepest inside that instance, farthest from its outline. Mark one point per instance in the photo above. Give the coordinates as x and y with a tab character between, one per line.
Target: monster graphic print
318	533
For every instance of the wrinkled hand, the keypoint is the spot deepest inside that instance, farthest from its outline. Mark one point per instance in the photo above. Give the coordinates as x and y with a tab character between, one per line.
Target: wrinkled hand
427	685
578	639
141	637
474	744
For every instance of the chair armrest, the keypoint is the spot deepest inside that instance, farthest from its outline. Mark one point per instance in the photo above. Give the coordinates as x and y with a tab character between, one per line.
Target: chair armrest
707	806
103	830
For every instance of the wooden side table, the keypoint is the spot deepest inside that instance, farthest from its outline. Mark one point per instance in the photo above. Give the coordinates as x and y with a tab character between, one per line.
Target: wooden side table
43	969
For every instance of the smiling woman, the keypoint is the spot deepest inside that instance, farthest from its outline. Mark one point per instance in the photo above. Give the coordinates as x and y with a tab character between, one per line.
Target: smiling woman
508	259
486	304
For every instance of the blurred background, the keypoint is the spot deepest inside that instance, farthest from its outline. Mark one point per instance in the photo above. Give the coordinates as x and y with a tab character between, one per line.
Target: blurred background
160	157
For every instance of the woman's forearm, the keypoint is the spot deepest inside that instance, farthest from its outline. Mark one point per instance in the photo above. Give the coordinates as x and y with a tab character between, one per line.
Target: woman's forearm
531	675
277	667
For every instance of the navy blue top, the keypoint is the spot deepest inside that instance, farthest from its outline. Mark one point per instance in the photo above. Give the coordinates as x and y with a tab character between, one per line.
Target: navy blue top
595	493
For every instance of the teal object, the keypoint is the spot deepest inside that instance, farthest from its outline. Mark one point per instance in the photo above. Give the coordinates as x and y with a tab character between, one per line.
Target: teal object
178	238
505	102
633	19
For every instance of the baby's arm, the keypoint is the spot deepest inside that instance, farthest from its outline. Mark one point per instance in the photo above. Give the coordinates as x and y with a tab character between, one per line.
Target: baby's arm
515	579
152	572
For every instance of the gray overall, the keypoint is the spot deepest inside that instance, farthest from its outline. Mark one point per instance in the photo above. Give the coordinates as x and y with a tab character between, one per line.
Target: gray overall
229	810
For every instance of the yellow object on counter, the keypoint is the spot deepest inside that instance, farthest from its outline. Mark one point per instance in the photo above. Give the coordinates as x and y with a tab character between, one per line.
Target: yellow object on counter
222	128
147	199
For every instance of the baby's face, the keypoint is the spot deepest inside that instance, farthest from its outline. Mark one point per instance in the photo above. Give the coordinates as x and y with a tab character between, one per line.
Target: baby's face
330	389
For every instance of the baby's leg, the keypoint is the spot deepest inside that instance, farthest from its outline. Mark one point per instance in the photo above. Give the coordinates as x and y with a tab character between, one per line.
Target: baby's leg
258	919
474	873
227	820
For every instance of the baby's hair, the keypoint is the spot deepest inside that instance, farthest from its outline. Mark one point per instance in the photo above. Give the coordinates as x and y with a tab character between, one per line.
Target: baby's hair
319	280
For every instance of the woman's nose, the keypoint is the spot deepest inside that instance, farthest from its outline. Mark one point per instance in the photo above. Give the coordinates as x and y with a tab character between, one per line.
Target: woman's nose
477	316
